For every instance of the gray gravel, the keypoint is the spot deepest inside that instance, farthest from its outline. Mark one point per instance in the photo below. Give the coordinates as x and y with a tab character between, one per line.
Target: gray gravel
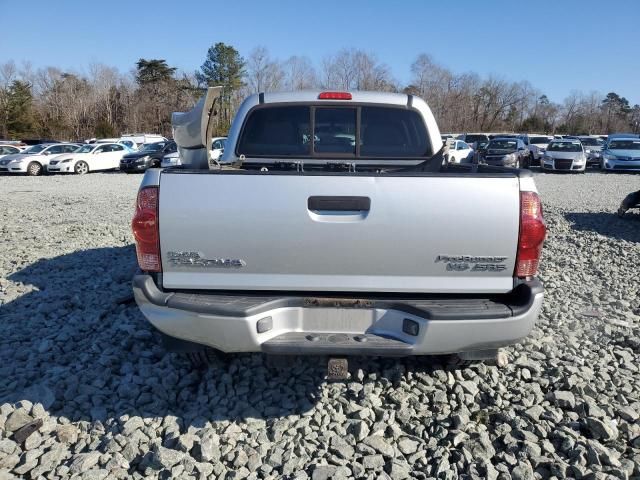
87	391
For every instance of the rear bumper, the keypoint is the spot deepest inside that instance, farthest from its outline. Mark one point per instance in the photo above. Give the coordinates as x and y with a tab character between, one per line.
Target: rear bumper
368	325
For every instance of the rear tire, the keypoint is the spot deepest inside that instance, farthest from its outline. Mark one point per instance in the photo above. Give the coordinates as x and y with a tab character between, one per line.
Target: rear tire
81	168
34	169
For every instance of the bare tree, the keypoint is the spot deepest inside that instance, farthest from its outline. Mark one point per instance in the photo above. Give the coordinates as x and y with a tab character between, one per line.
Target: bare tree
299	74
356	70
262	73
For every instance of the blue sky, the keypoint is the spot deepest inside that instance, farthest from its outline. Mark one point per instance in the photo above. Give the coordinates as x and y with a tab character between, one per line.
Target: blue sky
558	46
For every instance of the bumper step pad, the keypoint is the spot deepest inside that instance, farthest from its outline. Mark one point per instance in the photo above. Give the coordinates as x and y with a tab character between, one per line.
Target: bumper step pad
305	343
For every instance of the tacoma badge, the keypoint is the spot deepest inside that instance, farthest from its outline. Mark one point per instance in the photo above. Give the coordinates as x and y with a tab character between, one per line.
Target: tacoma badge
195	259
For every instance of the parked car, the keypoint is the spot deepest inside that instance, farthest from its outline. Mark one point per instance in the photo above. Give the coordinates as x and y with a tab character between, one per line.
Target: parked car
472	139
459	152
140	139
615	136
34	160
621	154
537	146
528	154
133	146
592	148
508	152
567	155
171	160
461	280
89	158
149	156
8	150
217	147
101	140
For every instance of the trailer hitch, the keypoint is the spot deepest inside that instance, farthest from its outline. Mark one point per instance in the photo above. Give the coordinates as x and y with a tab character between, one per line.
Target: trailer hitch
337	369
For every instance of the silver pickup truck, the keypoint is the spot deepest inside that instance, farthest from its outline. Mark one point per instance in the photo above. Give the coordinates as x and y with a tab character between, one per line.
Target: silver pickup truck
331	225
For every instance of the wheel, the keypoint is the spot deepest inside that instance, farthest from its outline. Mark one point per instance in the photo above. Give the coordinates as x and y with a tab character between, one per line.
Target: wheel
452	160
530	161
81	168
34	169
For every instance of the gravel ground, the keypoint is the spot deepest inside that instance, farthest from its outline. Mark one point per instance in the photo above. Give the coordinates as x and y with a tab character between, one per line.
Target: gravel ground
87	375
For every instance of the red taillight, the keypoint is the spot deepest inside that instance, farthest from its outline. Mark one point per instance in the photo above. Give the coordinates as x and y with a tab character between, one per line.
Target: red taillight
532	233
145	230
334	96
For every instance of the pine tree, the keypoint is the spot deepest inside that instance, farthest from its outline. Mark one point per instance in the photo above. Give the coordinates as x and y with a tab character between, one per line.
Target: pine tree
223	66
20	109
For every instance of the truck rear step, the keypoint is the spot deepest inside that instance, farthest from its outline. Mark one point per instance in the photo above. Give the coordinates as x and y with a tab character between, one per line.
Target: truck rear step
305	343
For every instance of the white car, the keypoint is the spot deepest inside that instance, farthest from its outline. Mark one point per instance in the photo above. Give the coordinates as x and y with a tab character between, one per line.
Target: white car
136	140
459	152
89	158
171	160
34	160
8	150
538	145
217	147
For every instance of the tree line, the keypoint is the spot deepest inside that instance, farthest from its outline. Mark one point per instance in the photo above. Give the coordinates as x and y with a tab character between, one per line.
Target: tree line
104	102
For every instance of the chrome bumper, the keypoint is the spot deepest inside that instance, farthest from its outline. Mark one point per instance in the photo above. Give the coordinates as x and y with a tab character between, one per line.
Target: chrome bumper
323	325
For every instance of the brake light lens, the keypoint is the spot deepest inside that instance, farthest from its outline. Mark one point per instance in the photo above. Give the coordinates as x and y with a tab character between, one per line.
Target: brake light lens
532	233
146	231
334	96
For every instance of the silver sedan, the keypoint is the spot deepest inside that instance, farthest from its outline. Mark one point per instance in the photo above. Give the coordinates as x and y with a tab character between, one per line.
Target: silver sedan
565	155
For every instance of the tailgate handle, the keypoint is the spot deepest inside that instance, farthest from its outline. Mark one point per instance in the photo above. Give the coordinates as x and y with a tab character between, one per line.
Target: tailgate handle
339	204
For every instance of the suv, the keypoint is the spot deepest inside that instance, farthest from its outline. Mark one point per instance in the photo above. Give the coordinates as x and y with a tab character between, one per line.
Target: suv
149	156
537	146
332	225
475	140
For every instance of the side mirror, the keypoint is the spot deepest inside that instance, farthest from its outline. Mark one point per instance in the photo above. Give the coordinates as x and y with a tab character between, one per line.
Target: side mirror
46	152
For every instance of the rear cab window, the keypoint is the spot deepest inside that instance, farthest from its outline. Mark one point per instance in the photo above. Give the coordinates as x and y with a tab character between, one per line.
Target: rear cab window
334	131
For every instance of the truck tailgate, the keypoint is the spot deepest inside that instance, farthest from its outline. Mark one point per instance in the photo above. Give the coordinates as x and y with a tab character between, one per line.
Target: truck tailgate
336	233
